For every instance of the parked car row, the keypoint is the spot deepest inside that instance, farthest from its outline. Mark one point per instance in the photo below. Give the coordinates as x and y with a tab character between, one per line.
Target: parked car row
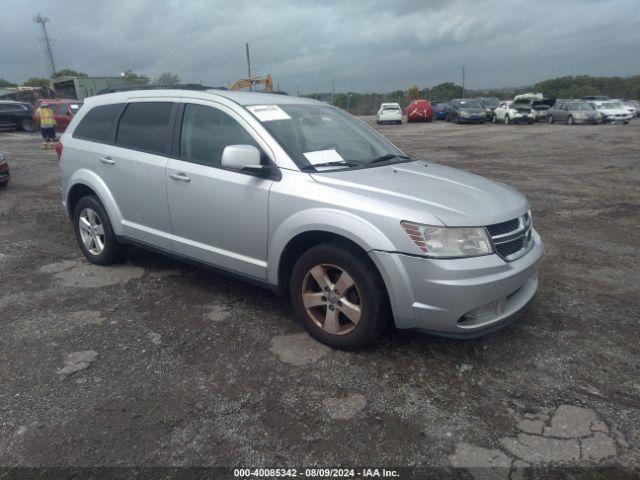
526	108
22	115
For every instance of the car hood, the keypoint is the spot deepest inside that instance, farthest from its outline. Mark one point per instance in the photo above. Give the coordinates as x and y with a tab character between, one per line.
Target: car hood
420	191
613	111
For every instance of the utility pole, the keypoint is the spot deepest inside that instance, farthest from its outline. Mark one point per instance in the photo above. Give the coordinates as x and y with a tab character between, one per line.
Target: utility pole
42	21
248	65
463	81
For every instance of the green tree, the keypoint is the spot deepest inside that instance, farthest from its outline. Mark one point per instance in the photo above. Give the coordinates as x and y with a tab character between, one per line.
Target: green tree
37	82
413	93
67	72
134	78
6	83
168	78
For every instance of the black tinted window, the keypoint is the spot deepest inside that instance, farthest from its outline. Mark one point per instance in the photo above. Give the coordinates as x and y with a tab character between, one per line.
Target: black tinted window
206	132
145	126
97	124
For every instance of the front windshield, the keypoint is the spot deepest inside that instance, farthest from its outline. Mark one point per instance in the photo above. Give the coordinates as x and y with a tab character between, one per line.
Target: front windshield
470	104
322	136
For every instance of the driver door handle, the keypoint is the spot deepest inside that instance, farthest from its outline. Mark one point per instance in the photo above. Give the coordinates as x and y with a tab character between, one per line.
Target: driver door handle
181	177
107	160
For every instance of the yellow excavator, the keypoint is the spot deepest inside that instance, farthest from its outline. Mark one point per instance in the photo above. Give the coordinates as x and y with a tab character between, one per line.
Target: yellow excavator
265	80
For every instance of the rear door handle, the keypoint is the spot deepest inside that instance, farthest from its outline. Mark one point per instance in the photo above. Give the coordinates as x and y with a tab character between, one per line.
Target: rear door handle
107	160
181	177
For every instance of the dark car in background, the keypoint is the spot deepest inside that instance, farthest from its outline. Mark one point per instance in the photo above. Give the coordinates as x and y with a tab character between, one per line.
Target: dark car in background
440	110
573	112
466	110
4	170
489	104
17	115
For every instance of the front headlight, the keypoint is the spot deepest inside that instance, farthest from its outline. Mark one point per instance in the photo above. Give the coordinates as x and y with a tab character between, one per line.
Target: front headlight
449	242
463	113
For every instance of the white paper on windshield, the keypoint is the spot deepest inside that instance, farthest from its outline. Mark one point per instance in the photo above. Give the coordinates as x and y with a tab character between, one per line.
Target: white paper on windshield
323	156
268	113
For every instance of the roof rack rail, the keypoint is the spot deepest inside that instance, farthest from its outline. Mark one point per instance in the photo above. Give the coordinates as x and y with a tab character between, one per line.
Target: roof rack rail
177	86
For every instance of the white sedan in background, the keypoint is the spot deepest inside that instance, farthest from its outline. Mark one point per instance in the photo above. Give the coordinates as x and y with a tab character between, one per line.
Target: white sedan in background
613	112
389	113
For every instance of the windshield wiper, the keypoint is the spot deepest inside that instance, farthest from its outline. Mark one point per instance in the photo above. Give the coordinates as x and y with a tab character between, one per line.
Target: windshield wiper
338	163
389	156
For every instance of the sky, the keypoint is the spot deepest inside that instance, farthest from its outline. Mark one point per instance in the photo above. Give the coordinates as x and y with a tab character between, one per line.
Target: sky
361	45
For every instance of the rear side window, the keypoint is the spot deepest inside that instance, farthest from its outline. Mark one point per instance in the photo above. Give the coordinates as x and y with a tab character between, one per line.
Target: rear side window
97	123
145	126
206	131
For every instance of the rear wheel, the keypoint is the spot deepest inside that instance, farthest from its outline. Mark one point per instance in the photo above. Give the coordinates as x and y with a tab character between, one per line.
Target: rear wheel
27	125
94	232
338	296
569	120
507	120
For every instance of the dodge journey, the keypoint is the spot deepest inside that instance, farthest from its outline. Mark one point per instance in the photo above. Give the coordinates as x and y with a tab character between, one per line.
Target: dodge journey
305	199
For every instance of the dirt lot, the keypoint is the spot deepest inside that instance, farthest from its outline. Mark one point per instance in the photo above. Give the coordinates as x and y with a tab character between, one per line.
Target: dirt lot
159	363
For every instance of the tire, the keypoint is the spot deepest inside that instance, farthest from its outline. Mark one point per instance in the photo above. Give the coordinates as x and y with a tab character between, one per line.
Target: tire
507	120
570	120
89	238
494	119
329	262
27	125
550	119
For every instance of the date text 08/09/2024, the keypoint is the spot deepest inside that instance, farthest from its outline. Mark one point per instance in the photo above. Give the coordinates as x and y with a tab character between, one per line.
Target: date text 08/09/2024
314	473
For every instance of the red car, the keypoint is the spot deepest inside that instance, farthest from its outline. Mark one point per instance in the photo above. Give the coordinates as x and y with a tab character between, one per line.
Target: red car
420	111
4	171
63	111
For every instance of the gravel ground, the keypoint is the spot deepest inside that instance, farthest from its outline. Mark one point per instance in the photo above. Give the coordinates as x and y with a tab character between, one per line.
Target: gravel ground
155	362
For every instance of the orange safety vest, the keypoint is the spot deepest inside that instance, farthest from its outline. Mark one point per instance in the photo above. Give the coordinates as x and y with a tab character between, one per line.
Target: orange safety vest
46	117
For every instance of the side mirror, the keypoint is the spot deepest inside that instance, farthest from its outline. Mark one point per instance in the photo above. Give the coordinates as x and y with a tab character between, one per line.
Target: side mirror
244	158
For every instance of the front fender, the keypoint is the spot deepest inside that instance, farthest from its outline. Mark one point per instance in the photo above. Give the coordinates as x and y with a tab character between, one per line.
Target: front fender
345	224
95	183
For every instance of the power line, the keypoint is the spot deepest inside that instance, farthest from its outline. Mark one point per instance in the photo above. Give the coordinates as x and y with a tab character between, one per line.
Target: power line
48	50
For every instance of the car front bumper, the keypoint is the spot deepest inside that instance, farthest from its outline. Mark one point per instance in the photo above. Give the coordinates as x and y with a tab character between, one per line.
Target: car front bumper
461	298
617	118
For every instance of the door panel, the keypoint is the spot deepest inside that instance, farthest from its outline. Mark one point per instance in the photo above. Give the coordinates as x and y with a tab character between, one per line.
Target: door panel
137	178
219	216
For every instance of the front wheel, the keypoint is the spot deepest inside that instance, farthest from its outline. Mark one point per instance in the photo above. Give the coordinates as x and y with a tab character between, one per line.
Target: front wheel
507	120
94	232
338	296
550	119
569	120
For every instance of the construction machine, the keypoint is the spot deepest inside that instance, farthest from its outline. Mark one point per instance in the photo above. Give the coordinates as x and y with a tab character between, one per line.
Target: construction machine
249	82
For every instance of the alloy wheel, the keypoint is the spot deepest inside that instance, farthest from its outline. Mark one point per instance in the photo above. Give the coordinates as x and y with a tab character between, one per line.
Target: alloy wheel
91	231
332	299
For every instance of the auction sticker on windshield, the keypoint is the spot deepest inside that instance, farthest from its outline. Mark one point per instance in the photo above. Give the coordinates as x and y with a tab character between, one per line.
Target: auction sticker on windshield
323	156
268	113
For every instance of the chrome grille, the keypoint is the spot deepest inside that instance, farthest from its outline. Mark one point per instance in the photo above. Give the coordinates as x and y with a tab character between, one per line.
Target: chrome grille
512	239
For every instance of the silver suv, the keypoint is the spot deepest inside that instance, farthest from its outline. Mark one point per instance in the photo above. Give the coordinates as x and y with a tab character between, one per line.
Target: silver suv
305	199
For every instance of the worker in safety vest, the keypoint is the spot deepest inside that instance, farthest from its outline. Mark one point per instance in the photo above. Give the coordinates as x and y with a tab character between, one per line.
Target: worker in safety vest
47	125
